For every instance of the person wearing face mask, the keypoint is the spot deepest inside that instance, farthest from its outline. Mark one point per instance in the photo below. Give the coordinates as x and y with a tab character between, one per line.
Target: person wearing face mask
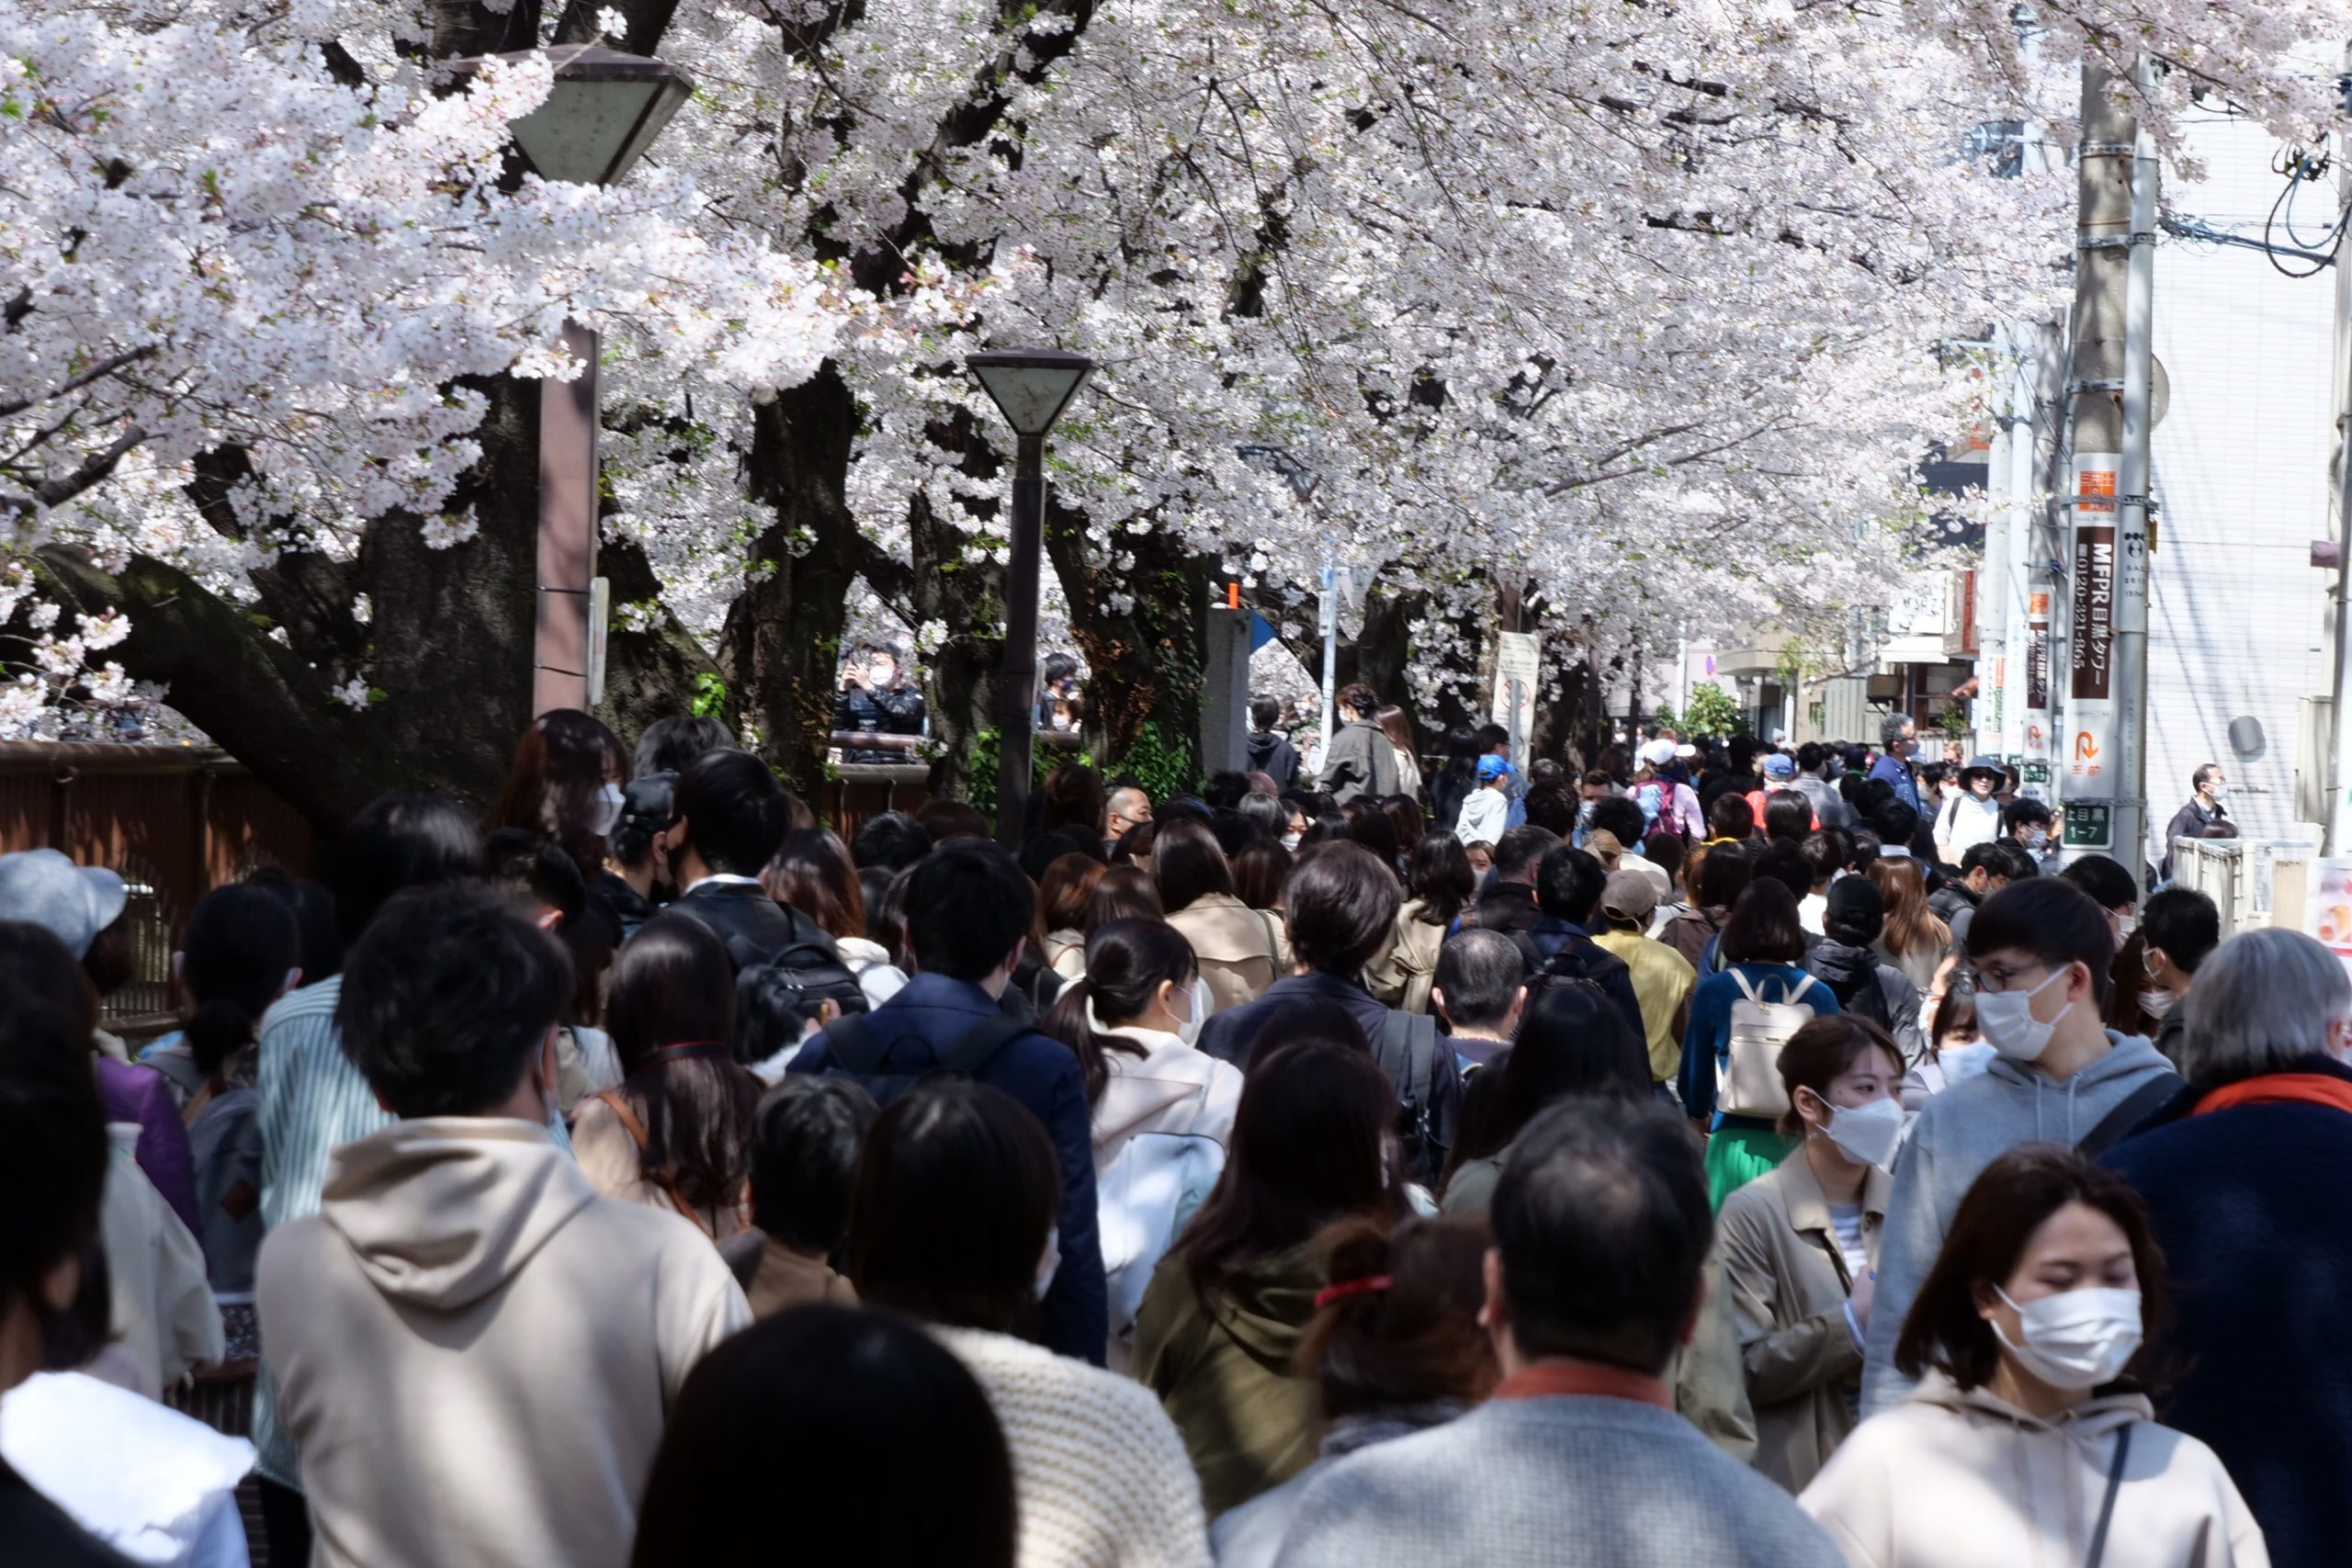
2111	887
2044	952
1133	1019
1798	1243
463	1223
2029	822
565	784
2238	1174
2207	815
1957	1053
2026	1441
2180	928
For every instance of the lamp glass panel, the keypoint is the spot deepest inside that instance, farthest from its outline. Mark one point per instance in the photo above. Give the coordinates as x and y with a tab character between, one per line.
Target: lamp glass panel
1031	396
581	131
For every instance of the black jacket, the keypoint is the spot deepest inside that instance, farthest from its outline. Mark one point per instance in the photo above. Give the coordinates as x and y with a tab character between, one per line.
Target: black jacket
2192	822
629	907
1868	988
1271	754
895	712
754	927
1506	907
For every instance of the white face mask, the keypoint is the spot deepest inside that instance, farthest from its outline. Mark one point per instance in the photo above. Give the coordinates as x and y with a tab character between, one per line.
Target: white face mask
1050	1263
1868	1133
2124	926
1962	1062
608	811
2078	1339
1197	1005
1290	842
2034	838
2221	792
2156	1004
2007	1021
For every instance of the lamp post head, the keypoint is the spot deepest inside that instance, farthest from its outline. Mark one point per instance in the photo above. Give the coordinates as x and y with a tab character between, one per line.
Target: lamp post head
604	111
1031	386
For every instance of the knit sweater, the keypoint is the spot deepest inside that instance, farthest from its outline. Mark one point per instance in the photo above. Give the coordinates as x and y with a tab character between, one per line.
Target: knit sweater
1100	1472
1565	1482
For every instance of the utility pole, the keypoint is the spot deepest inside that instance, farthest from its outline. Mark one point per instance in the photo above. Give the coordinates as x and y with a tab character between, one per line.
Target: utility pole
2338	772
2107	565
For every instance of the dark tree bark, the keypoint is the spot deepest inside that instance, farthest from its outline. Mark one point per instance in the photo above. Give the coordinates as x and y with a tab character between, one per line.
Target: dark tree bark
1143	662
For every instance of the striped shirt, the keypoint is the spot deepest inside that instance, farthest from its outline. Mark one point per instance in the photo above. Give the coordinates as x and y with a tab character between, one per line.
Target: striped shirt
312	1099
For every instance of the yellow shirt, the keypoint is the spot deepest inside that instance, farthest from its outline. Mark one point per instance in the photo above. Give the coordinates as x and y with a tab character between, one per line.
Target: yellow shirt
1663	980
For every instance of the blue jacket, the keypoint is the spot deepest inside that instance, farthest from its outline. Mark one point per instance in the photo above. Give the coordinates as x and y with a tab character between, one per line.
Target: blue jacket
1896	772
2248	1207
1229	1036
1706	1039
1042	1074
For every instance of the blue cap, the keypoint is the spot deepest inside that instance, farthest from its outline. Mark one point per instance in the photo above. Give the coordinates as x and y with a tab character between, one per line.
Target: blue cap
1780	765
1493	765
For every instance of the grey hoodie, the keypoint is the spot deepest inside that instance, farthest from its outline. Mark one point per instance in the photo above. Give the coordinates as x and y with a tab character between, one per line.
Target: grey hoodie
1962	1131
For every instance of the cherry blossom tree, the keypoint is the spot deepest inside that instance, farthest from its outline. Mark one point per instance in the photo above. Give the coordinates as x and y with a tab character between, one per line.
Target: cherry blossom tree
1631	312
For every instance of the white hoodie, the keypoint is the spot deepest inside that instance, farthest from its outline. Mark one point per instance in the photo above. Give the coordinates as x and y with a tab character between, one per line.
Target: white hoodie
1953	1480
1175	1088
476	1352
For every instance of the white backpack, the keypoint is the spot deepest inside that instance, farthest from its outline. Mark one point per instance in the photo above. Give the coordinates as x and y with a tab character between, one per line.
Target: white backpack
1142	1202
1747	1082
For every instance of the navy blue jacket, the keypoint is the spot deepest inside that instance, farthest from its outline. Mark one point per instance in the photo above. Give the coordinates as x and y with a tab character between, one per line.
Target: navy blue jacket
1229	1036
1551	936
2248	1206
1042	1074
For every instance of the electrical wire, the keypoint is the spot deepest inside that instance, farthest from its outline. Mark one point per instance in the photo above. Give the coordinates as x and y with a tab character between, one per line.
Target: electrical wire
2300	168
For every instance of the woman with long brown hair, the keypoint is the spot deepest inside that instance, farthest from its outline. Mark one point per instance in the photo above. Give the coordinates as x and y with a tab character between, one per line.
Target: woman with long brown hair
1395	725
565	784
1914	940
675	1132
1062	899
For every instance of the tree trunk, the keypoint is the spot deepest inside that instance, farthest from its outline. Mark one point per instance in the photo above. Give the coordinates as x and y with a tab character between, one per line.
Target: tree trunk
781	645
1142	701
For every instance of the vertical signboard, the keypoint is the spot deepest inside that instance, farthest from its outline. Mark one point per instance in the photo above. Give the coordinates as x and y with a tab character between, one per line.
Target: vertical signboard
2091	752
2033	759
1519	660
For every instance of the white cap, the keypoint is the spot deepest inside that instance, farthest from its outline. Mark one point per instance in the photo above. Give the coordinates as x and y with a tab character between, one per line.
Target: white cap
1655	751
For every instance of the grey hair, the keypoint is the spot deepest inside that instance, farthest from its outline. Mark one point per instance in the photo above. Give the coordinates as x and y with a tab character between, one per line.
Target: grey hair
2261	1004
1479	971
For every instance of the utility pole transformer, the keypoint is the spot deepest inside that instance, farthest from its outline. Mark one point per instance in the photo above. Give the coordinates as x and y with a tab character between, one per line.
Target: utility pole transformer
2102	759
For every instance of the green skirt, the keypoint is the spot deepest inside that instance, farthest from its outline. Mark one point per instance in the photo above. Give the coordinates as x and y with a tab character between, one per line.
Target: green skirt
1737	1156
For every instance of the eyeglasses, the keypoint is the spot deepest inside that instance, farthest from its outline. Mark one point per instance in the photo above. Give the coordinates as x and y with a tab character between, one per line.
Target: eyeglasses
2002	977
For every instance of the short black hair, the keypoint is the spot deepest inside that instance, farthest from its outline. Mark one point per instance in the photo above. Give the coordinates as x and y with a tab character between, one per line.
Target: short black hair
1731	816
2204	770
1553	809
2052	919
735	812
1602	1221
1785	863
53	1149
1787	816
1479	972
1986	857
1763	926
805	1140
956	1190
1264	713
2024	811
2184	924
1810	756
1225	789
1568	884
1518	850
1893	822
1489	736
1615	814
968	905
446	999
817	1394
1825	854
402	839
893	840
1341	905
2009	860
667	745
534	870
648	808
2104	879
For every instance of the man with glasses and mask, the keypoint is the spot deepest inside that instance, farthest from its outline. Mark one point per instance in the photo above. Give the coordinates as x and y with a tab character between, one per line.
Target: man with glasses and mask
2044	954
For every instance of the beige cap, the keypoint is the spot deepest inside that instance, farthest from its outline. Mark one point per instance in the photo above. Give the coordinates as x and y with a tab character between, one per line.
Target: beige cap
1631	893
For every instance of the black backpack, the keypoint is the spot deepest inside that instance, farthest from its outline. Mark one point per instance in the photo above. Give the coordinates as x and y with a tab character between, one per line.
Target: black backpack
1863	996
1410	1052
859	1052
812	968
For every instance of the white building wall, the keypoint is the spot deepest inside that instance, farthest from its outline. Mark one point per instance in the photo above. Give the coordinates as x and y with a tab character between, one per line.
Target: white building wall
2237	612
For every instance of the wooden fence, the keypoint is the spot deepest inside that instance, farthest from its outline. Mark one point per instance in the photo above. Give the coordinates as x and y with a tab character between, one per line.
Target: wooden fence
174	821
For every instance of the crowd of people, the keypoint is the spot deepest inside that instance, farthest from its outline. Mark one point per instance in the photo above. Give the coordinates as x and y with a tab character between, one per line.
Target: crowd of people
1726	1155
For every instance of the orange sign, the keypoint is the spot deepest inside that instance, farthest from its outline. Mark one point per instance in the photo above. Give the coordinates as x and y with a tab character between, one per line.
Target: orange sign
2096	482
2085	747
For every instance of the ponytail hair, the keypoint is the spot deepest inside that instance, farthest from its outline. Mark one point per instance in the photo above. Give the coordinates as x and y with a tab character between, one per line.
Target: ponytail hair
1398	1323
1126	962
240	944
